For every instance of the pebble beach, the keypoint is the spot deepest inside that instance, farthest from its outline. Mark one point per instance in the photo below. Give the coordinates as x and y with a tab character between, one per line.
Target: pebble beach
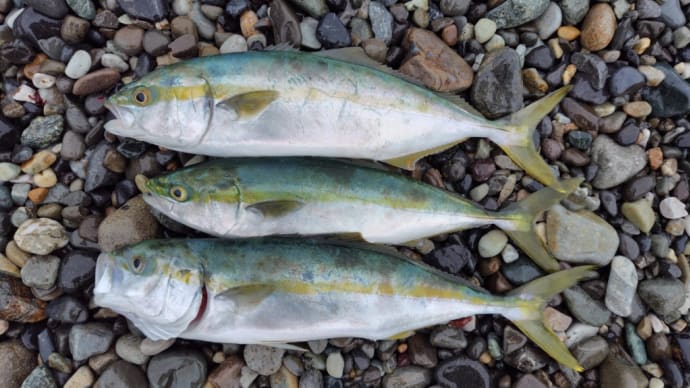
68	192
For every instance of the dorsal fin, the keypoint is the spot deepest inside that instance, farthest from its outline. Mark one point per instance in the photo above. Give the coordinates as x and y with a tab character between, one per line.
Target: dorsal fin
357	56
460	102
282	46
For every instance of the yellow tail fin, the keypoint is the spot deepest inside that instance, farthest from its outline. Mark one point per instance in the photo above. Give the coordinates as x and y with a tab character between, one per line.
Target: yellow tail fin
520	147
523	213
541	291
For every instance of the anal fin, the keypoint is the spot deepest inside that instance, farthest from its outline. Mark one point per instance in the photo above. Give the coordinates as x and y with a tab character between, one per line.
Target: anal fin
408	162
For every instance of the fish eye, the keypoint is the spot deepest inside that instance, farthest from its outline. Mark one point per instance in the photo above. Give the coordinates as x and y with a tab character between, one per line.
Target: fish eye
142	96
178	193
137	264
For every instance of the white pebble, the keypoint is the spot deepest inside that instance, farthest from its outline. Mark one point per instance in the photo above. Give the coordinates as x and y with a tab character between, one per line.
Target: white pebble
235	43
150	347
24	93
43	81
114	62
9	171
509	254
335	365
579	332
484	30
672	208
78	65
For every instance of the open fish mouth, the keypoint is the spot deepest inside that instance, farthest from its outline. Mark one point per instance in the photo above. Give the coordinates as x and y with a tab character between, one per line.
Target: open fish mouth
123	122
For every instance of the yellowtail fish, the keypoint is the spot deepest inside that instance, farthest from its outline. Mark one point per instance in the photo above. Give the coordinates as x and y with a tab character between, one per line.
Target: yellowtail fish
336	103
274	292
251	197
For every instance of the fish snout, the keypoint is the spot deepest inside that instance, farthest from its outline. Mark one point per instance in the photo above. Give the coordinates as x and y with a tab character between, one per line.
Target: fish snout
104	276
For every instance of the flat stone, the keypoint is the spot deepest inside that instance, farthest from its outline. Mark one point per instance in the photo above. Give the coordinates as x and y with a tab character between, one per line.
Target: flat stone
672	208
621	287
122	374
332	33
619	370
177	368
434	63
591	352
17	362
574	10
41	271
497	89
96	81
585	308
127	347
513	13
671	97
640	213
89	339
127	225
616	164
672	15
381	21
664	296
82	378
78	65
567	232
43	131
40	236
549	21
263	359
410	376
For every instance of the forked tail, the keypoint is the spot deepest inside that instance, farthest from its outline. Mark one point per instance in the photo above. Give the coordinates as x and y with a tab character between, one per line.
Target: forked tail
540	291
520	147
522	215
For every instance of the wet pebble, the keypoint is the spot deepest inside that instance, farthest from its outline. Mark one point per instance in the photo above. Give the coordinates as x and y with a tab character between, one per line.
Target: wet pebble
89	339
176	368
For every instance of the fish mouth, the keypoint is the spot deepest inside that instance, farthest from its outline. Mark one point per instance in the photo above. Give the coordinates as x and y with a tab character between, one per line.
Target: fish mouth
104	279
123	123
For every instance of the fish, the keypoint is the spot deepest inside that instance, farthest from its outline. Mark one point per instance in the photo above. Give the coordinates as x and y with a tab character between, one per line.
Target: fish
334	103
276	292
252	197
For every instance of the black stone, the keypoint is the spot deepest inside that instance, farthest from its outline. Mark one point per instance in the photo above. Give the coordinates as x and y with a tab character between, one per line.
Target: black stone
583	91
56	9
45	344
29	336
624	31
462	372
235	8
521	271
625	80
21	154
67	309
451	258
123	374
628	134
52	47
497	87
131	149
33	26
9	135
671	14
671	97
145	64
540	58
672	373
627	246
636	188
650	29
17	52
177	368
592	67
76	271
151	10
97	175
332	33
608	202
124	190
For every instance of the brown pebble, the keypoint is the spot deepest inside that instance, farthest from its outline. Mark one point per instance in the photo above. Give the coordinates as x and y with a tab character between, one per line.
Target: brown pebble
497	283
38	195
183	25
598	27
129	39
114	161
450	35
74	29
658	347
575	157
34	66
552	149
39	162
13	110
489	266
227	374
656	157
184	47
434	63
638	109
533	81
96	81
568	33
248	23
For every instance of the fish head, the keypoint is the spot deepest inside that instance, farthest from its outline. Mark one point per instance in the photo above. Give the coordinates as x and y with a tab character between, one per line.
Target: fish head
171	107
159	287
205	197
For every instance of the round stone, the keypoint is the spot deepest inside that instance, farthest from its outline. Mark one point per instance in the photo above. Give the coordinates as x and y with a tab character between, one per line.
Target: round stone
492	243
41	236
598	27
78	65
335	365
672	208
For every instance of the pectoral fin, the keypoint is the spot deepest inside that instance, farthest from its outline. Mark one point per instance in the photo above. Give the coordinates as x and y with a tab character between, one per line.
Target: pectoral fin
246	297
402	335
282	345
250	104
273	209
407	162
